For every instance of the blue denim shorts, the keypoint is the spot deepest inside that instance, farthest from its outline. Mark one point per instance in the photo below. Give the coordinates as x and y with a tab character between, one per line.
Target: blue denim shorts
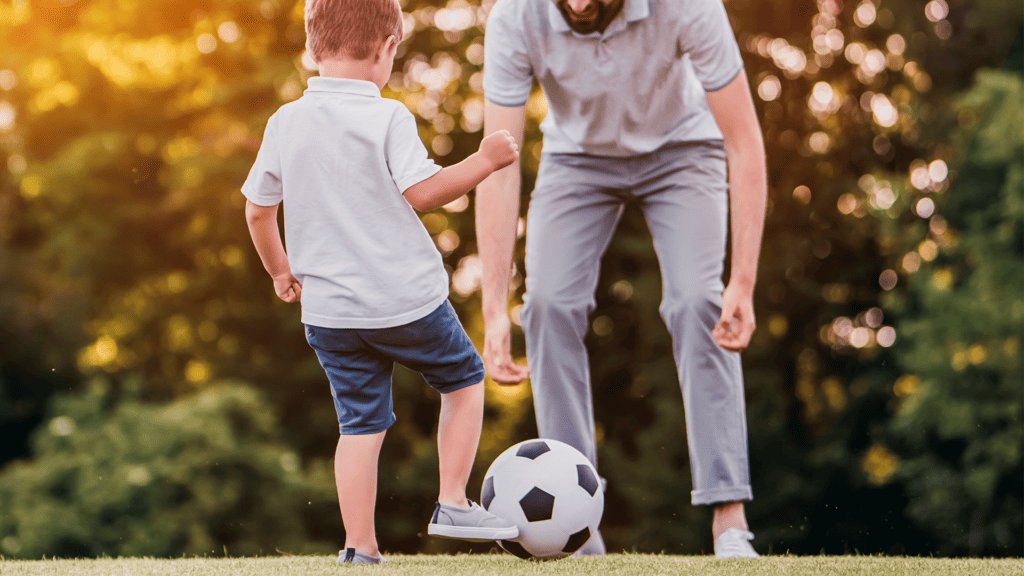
359	364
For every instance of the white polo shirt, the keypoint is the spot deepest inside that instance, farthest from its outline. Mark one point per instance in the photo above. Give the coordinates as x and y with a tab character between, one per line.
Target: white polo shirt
630	90
340	158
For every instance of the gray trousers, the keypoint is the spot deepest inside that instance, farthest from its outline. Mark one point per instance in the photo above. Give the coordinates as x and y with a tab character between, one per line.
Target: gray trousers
574	209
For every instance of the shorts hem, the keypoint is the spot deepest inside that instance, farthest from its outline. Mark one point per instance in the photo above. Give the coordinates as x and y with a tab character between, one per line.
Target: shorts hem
718	495
366	430
465	383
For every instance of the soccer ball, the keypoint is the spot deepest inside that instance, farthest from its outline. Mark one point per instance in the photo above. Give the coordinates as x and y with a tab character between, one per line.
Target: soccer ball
551	491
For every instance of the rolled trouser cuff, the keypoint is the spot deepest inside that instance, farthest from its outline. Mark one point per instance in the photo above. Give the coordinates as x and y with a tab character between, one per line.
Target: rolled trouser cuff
718	495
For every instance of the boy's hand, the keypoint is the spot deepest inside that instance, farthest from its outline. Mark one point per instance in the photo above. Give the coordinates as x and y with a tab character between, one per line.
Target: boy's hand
500	149
287	287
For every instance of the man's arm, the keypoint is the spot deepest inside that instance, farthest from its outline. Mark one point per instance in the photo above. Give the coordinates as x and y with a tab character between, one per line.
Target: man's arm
497	214
733	108
266	236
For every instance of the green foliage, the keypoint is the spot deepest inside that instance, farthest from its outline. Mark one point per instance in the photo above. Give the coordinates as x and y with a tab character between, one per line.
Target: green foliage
960	428
204	475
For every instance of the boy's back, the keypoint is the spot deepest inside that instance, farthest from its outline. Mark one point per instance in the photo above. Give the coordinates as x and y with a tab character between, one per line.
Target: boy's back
340	158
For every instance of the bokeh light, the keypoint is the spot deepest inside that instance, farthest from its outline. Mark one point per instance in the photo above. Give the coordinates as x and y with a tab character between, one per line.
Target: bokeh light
769	88
865	14
887	279
7	116
206	43
925	207
936	10
885	114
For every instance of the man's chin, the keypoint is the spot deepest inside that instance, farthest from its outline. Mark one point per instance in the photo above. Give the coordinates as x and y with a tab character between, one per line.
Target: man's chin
584	26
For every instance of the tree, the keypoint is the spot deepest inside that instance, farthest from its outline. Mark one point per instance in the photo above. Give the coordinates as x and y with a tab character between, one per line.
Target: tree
960	427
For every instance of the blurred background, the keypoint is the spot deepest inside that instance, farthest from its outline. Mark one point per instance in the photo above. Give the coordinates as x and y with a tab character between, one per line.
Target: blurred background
157	399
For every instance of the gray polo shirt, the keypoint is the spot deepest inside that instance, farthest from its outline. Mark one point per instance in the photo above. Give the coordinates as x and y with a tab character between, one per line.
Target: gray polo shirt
340	158
630	90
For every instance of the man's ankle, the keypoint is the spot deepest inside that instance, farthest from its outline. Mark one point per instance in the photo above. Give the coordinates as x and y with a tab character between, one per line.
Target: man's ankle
728	515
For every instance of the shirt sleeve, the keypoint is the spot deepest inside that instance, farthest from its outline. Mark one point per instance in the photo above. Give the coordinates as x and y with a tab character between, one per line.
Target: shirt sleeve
263	185
508	75
406	156
708	39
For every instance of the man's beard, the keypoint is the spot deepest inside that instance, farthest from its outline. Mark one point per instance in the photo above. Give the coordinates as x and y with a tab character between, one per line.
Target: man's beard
605	13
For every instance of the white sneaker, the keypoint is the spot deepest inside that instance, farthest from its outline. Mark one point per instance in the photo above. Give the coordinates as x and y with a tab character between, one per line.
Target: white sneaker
593	547
735	543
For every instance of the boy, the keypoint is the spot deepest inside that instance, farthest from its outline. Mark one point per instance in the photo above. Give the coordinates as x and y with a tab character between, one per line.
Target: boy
351	168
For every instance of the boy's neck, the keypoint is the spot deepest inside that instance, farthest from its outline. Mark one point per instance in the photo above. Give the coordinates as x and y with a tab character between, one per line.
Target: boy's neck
347	68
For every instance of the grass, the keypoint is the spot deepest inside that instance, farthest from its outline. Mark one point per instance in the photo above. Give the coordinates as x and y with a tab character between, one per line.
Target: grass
505	565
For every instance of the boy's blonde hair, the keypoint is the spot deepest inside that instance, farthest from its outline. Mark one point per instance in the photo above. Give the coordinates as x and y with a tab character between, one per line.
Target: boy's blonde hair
352	28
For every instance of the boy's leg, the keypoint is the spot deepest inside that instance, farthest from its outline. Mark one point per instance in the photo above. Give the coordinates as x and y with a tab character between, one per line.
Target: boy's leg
458	436
361	384
355	473
438	347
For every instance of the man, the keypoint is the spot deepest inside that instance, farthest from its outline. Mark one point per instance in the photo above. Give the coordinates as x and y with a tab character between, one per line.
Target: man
647	101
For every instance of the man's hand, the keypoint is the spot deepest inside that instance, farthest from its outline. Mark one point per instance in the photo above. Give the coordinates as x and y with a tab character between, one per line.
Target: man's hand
736	326
500	149
498	353
287	287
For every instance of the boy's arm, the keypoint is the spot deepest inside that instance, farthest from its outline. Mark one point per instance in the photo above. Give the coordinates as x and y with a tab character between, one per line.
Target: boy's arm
496	151
262	221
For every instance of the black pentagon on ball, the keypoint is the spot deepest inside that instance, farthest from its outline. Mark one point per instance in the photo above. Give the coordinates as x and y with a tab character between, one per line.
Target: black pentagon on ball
487	494
577	540
588	481
537	505
516	548
533	449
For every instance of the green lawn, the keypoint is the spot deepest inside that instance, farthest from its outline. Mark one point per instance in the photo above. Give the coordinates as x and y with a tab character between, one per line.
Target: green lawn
505	565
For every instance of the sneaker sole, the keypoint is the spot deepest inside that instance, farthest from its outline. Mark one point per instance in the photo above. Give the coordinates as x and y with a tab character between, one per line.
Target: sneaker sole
474	533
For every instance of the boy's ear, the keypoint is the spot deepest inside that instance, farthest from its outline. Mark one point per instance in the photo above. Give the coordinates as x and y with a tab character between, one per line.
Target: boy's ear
387	49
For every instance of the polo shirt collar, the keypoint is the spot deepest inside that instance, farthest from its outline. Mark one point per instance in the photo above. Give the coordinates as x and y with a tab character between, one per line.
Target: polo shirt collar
342	86
632	10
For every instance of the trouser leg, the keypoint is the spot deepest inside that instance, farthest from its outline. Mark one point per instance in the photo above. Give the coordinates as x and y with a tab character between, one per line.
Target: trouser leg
573	211
684	196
